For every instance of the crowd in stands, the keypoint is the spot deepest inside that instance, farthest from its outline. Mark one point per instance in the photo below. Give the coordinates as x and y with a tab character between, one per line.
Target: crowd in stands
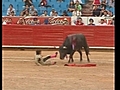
103	8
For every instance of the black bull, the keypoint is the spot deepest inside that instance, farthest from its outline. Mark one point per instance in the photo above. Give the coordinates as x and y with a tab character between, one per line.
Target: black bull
73	43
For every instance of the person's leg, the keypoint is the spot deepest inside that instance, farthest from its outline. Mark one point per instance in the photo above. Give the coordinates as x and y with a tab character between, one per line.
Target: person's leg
46	58
49	56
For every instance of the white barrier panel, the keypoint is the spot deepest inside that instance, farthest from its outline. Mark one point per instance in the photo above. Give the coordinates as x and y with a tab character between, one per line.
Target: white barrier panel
86	19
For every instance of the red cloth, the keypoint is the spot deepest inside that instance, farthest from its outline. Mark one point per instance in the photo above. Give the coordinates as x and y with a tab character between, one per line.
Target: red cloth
96	2
80	65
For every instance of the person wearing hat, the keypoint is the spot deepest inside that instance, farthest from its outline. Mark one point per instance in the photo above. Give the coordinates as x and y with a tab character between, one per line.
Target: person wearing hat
91	21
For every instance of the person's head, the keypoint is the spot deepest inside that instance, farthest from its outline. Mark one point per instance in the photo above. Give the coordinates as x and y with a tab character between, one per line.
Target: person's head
79	19
105	12
101	21
64	13
38	52
45	12
53	10
56	13
71	2
77	2
32	7
10	6
26	6
91	21
35	13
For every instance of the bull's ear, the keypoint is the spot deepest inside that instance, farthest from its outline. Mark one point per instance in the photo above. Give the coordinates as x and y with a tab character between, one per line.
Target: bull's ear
64	47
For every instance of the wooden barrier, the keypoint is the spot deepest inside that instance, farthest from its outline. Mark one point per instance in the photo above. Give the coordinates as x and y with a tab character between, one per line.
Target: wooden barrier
53	35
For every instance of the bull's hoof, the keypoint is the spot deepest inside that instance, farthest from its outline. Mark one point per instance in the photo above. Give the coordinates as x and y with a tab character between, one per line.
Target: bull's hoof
89	61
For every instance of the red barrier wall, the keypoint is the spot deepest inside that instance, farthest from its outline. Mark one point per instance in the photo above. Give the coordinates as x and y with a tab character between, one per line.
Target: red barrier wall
53	35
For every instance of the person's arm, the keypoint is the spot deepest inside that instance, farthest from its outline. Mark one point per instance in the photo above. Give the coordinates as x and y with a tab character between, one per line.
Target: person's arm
8	12
30	1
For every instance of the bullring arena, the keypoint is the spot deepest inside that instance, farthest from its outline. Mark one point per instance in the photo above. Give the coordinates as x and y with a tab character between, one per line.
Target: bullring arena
19	72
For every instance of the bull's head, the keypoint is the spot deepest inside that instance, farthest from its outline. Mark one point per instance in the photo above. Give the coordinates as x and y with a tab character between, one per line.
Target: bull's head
62	51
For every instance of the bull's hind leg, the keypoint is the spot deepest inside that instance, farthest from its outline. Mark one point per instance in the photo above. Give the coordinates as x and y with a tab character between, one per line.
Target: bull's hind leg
88	58
80	55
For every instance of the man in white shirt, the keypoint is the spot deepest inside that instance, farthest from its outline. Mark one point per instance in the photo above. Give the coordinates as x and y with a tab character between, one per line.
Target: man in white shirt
10	9
102	22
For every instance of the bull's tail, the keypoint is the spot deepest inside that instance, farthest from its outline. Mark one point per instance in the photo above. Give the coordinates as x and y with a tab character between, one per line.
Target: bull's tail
86	46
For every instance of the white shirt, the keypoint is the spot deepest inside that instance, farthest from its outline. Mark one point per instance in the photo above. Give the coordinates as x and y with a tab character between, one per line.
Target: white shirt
80	1
4	23
102	24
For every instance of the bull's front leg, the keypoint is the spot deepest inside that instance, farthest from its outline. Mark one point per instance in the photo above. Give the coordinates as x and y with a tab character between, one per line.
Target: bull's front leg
71	57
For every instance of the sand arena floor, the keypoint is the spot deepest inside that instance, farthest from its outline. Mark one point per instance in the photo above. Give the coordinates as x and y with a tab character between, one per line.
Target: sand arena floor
19	72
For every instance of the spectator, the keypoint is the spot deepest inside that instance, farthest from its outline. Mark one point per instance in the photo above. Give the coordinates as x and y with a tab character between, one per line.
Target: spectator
96	11
91	21
35	13
102	22
64	13
10	9
76	13
79	21
28	2
52	13
45	13
71	6
111	3
35	21
27	13
32	10
22	13
105	14
103	3
78	7
102	11
21	21
80	1
26	7
56	14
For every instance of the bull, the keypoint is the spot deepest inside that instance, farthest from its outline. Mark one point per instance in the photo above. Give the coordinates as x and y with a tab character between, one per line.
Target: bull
73	43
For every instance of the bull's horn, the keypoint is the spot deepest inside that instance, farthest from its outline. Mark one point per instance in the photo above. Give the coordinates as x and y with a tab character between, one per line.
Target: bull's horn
64	47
